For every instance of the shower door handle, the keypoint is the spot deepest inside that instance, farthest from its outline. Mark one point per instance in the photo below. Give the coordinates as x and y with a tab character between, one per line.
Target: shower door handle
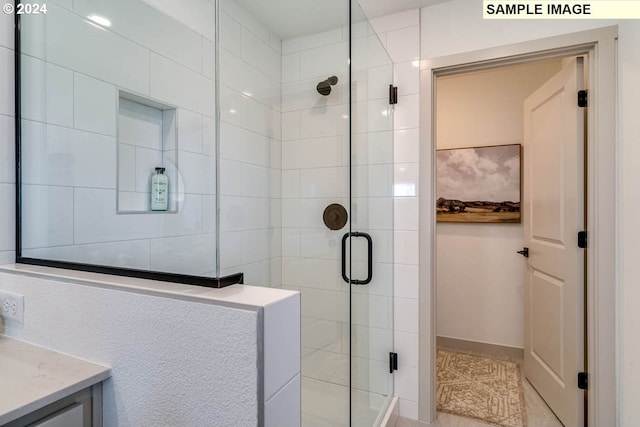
369	258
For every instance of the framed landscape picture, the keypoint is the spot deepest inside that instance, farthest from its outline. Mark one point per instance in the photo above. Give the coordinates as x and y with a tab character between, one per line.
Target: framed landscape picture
480	184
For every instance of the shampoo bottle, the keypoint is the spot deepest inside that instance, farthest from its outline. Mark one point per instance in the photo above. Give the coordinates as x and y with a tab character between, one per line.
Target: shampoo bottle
159	190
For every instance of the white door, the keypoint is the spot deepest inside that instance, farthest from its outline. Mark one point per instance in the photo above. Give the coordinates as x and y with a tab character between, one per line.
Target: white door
553	214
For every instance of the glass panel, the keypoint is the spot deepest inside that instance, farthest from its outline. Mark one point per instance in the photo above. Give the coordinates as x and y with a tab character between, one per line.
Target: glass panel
284	152
112	90
372	215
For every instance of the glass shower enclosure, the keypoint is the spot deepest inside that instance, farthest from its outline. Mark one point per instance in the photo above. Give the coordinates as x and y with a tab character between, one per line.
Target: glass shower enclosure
272	124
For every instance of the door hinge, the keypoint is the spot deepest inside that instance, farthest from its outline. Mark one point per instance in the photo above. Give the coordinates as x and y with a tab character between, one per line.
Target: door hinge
583	381
393	94
582	239
393	362
582	98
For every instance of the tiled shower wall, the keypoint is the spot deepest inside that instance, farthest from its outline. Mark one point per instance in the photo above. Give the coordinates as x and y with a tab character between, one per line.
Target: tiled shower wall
400	34
250	147
7	136
70	95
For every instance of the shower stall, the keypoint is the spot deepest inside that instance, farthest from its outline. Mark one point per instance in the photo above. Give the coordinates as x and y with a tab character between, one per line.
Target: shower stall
272	122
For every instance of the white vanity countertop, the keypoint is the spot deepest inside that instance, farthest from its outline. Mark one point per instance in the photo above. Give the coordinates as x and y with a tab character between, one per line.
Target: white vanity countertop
32	377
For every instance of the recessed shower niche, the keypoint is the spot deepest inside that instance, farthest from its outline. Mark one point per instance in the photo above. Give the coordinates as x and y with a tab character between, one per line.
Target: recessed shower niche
147	144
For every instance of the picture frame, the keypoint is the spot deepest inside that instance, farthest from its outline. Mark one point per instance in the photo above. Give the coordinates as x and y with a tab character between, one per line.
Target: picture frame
479	184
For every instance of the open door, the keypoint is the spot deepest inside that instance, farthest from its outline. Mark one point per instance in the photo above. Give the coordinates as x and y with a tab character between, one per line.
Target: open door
553	214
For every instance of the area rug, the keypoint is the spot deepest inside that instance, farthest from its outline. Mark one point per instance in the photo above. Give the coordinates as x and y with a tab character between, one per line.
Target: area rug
482	388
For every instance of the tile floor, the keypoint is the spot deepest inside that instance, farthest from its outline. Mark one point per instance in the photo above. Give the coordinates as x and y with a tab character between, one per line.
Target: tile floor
538	414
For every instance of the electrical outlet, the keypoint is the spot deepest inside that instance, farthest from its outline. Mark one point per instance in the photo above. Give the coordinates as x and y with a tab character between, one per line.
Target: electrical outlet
12	306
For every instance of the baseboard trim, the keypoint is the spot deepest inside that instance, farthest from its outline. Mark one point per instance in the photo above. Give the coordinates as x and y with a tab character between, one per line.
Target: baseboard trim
501	351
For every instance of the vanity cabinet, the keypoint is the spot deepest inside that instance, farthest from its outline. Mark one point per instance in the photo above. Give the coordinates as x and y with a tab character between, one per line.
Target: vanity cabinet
81	409
40	387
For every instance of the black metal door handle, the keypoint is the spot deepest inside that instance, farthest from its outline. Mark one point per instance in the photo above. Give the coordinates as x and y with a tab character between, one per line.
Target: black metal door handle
369	258
524	252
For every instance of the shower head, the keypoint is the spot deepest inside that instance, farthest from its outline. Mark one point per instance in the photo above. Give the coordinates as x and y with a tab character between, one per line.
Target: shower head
324	87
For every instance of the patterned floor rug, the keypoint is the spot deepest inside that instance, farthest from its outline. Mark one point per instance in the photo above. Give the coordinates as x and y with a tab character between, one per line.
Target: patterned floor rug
486	389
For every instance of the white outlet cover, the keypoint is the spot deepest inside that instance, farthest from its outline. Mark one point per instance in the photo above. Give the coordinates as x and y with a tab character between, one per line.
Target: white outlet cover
12	306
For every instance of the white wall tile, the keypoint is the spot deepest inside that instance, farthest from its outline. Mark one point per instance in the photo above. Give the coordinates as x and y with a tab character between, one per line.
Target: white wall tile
230	33
290	67
7	149
94	105
281	344
406	281
6	29
305	212
257	245
405	213
244	213
372	148
230	249
321	334
324	182
47	92
406	345
291	183
407	77
7	89
198	172
208	136
284	409
373	180
300	95
7	218
312	41
313	273
324	61
146	162
243	77
322	122
193	255
405	313
319	243
54	155
291	125
197	14
139	125
149	27
406	145
372	343
396	21
406	383
208	59
372	376
259	54
47	216
96	52
290	243
326	366
244	146
245	19
175	84
405	180
209	214
408	409
406	247
259	118
372	213
230	178
372	311
404	44
256	181
126	167
312	153
407	113
189	131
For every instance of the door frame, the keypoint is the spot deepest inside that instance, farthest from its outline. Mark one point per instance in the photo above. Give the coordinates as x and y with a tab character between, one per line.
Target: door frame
601	45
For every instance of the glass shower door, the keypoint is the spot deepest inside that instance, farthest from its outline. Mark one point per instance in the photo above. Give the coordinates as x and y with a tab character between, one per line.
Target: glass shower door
371	228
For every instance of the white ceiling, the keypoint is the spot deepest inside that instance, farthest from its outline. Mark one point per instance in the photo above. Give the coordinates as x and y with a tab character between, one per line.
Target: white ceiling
293	18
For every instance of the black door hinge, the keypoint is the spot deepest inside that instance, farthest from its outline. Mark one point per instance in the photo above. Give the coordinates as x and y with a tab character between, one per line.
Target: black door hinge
393	94
582	239
393	362
583	380
582	98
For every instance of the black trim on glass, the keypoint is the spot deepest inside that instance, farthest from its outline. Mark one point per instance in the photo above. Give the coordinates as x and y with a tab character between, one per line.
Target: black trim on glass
209	282
369	258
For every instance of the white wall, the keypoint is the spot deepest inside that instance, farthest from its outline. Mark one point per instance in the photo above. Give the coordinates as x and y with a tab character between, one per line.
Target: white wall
173	362
400	34
457	26
483	301
250	147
